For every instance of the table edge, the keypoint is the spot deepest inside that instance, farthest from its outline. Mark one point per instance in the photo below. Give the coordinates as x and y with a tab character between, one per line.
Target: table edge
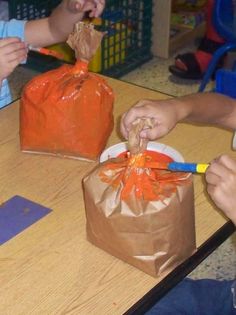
179	273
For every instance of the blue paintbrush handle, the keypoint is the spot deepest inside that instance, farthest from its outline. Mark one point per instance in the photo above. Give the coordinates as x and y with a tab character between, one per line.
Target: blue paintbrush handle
187	167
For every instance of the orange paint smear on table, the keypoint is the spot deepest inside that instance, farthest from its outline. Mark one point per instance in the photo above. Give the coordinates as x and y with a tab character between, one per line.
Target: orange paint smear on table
138	178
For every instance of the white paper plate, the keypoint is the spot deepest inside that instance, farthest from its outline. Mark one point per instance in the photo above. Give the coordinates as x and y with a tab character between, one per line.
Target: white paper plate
118	148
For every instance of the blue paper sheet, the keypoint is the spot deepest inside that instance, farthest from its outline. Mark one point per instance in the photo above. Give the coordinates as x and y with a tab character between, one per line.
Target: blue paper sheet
16	214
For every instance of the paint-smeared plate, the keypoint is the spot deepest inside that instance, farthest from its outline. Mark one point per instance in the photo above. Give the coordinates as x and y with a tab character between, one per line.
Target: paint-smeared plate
118	148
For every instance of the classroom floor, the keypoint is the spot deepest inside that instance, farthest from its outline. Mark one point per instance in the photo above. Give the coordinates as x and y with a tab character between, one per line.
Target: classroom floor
221	264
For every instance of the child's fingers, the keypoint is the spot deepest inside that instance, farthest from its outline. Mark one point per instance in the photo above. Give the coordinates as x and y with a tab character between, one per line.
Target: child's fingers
222	166
133	114
100	4
14	63
123	129
16	56
211	189
97	9
11	58
216	169
94	7
212	178
137	111
9	65
80	5
9	41
14	49
227	161
153	133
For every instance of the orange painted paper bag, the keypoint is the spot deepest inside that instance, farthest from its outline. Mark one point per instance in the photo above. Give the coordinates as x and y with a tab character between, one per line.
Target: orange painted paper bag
141	215
68	111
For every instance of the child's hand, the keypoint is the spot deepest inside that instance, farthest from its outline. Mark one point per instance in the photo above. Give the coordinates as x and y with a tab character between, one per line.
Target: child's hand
221	184
12	52
163	114
94	7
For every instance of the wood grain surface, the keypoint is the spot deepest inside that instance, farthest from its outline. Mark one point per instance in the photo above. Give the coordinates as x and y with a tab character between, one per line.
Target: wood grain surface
50	268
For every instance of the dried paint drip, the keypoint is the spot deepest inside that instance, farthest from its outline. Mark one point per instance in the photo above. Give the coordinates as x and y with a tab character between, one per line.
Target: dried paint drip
138	178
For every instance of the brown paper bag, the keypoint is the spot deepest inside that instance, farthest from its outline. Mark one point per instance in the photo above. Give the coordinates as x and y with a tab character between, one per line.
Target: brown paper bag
68	111
151	231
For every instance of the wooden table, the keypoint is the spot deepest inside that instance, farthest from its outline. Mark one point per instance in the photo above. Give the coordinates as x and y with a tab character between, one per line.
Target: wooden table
50	268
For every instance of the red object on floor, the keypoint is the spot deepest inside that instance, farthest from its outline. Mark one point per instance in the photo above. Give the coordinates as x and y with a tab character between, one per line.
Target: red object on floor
203	54
203	57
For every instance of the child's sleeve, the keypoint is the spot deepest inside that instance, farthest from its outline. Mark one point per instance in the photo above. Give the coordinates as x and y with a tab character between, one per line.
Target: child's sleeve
12	28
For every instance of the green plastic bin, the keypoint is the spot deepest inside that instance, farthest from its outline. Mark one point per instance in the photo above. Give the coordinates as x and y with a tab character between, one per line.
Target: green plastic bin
31	9
128	27
131	22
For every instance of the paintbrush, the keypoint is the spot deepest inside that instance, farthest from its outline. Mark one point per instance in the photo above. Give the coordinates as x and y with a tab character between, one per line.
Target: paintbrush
47	52
180	166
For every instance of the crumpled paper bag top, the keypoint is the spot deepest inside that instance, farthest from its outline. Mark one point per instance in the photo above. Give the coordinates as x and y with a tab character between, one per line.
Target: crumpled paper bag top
136	173
85	40
136	144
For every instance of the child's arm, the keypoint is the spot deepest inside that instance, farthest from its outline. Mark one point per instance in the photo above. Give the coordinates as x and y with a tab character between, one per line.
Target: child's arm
210	108
59	25
221	185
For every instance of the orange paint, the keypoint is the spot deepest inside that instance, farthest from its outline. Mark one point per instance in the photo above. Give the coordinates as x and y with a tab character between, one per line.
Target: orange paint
154	156
138	177
66	111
